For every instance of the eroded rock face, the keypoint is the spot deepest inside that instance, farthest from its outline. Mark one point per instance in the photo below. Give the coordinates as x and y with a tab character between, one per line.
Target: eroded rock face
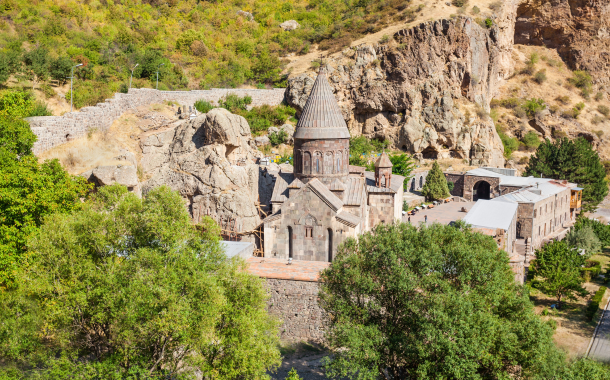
416	94
211	162
578	29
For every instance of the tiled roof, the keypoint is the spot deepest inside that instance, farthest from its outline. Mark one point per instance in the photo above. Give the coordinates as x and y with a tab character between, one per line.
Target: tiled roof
267	267
348	219
355	194
325	194
383	161
273	217
375	189
321	117
296	184
356	169
280	190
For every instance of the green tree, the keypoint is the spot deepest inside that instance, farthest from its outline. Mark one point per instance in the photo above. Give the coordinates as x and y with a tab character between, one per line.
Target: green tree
572	160
585	239
403	165
36	64
8	66
293	375
435	302
60	68
602	231
131	284
436	184
556	271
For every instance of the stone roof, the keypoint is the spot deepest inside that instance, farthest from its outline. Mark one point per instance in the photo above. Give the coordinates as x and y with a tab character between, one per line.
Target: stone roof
396	182
325	194
296	184
383	161
280	193
348	219
321	117
355	194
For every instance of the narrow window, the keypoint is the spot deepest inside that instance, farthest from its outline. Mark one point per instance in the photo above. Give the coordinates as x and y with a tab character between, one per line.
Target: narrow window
330	245
317	165
309	232
290	242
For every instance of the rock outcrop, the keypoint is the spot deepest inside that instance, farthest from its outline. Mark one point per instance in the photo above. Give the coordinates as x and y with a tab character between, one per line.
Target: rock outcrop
578	29
210	160
419	92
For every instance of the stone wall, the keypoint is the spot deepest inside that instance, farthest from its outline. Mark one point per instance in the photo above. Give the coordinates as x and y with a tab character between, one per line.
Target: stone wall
458	183
55	130
417	180
296	304
381	208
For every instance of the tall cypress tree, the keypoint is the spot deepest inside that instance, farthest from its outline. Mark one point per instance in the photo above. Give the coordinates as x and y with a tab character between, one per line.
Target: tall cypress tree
436	184
575	161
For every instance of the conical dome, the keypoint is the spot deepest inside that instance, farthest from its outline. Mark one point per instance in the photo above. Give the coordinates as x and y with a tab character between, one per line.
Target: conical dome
321	117
383	161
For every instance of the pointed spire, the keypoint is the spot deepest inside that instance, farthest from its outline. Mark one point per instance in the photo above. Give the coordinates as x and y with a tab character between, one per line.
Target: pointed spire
383	161
321	117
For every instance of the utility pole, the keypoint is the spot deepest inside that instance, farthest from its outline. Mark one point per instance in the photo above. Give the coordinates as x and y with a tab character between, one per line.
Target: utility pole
158	74
71	80
131	77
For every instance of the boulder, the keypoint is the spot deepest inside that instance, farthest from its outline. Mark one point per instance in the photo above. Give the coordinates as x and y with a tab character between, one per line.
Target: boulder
261	140
126	175
289	25
245	14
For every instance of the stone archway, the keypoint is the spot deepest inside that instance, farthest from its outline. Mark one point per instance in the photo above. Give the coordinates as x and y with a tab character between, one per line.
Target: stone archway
481	190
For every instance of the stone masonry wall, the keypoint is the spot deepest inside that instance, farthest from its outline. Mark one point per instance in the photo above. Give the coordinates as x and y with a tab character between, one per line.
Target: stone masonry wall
296	304
56	130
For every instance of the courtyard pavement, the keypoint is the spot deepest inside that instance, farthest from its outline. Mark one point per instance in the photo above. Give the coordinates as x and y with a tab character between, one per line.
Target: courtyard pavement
600	349
443	214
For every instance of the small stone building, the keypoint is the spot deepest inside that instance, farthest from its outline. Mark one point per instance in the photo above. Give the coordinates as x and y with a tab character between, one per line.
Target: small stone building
325	200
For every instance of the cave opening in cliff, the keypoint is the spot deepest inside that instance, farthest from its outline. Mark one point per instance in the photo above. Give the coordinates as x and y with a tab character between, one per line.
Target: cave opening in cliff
430	153
455	154
481	190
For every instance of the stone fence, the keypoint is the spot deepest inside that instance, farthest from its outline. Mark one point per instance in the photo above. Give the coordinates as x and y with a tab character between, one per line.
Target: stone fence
55	130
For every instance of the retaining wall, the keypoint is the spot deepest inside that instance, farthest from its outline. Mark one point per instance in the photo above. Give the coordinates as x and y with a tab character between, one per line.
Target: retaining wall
296	304
55	130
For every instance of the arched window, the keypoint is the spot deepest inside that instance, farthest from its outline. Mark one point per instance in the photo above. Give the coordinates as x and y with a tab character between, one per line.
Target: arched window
317	163
421	182
328	163
307	163
339	169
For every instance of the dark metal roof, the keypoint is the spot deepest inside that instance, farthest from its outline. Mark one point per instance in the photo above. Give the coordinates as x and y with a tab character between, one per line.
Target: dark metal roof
321	117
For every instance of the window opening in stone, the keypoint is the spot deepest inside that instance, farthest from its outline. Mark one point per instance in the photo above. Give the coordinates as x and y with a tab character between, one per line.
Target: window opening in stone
309	232
307	163
421	182
330	245
290	242
317	165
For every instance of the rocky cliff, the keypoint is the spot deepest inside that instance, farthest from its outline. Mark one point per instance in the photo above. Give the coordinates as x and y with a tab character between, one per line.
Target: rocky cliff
428	92
210	161
578	29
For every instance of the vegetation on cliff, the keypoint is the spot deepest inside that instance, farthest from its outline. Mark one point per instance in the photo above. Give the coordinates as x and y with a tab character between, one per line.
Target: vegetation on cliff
200	44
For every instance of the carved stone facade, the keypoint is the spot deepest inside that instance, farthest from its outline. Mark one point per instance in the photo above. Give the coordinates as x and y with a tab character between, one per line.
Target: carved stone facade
323	159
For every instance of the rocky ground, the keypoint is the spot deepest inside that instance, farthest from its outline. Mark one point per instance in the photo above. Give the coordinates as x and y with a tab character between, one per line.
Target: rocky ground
305	358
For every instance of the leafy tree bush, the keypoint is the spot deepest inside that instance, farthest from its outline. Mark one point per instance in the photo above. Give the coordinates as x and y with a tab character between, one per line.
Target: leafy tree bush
582	80
533	106
278	138
60	69
556	271
9	64
412	303
489	23
540	76
575	161
135	286
403	165
511	144
584	238
436	184
450	186
203	106
19	104
604	110
584	369
531	140
29	191
293	375
593	306
601	230
234	103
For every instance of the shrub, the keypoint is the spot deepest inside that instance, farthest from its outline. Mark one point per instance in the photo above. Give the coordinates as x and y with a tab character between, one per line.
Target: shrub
278	138
554	109
510	144
596	120
234	103
481	112
534	59
524	160
520	112
384	39
580	106
533	106
495	6
531	140
540	76
203	106
571	114
459	3
583	81
450	186
558	134
599	133
563	99
475	10
604	110
599	96
489	23
595	301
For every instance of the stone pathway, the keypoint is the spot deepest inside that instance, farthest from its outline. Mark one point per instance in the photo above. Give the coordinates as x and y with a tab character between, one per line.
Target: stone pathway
600	349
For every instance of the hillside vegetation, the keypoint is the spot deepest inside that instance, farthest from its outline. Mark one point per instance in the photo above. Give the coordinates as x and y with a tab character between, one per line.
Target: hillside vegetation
200	44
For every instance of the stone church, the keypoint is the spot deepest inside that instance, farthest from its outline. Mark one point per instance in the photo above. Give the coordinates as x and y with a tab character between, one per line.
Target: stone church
325	200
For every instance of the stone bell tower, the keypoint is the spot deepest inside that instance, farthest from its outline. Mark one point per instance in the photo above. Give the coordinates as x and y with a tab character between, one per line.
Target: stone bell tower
383	171
321	138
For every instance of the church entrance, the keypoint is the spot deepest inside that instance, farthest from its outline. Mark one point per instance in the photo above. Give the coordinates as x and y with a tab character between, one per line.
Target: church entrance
481	190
